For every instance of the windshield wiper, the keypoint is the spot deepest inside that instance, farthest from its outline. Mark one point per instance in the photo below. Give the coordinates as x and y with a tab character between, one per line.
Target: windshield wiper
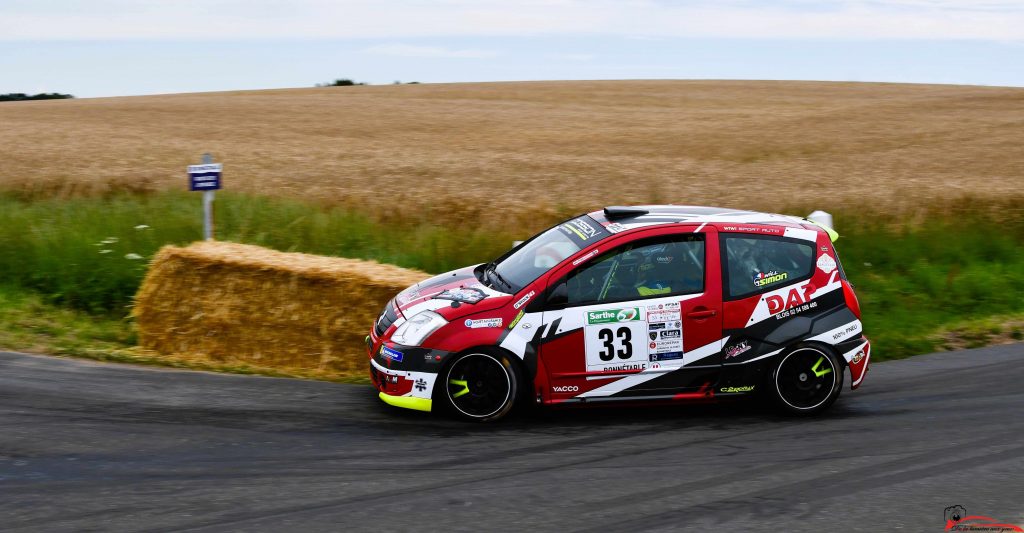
493	269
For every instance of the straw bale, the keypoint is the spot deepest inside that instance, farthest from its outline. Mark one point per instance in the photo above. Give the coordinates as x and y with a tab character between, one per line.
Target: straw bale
231	303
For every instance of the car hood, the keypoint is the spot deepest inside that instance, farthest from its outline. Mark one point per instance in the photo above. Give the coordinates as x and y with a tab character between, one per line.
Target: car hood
452	295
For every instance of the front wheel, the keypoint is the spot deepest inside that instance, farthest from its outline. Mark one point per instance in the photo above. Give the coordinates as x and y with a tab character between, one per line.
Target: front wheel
806	381
480	386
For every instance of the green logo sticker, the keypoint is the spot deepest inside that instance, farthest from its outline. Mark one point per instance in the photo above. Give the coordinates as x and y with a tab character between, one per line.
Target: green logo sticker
608	316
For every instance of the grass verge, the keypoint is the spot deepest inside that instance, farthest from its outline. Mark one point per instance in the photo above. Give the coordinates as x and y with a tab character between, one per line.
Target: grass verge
71	266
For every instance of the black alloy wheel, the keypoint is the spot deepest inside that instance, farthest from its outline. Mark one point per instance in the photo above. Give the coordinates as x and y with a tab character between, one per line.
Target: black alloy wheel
807	380
481	386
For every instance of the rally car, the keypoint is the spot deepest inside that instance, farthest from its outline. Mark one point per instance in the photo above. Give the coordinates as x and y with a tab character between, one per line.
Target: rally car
630	304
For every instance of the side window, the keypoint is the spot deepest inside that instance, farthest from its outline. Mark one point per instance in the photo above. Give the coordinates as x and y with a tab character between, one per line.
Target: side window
642	269
758	263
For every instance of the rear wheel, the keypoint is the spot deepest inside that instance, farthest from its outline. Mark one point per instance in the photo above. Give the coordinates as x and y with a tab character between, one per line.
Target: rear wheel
807	380
481	386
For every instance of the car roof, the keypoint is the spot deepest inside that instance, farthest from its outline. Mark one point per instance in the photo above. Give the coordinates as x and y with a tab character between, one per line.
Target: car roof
630	217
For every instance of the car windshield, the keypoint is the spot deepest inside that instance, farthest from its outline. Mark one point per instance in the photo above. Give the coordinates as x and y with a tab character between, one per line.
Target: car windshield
524	264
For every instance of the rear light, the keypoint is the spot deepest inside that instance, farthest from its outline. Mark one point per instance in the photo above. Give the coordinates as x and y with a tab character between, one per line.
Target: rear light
851	299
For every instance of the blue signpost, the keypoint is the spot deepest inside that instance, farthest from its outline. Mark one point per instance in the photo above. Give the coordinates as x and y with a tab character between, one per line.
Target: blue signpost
206	178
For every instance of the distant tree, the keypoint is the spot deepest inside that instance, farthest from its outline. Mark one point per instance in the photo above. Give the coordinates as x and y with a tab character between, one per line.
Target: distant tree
15	97
343	82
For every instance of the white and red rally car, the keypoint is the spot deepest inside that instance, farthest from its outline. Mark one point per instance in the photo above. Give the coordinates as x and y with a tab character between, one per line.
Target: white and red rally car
642	303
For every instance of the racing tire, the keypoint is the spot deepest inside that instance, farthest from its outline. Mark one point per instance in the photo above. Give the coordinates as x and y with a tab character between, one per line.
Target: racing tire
806	380
480	386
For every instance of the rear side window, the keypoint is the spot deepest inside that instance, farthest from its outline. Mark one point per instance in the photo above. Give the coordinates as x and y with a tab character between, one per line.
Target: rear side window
760	263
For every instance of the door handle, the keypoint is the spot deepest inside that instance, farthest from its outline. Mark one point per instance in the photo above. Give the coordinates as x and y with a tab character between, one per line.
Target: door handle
706	313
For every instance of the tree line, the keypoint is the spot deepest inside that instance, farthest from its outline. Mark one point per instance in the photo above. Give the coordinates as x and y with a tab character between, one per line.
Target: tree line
15	97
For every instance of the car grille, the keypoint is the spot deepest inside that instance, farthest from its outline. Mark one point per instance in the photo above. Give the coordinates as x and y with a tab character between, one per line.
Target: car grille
387	317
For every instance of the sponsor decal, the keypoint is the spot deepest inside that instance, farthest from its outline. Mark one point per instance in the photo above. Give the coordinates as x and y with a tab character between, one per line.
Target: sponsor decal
407	296
796	310
581	228
467	295
516	320
484	323
957	519
579	260
421	384
667	356
770	230
522	301
826	263
388	353
663	259
670	306
858	357
762	279
852	328
664	328
663	316
609	316
627	366
745	388
737	349
565	388
615	227
796	296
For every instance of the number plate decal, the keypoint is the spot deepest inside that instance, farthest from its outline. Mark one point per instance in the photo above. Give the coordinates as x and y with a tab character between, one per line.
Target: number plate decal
616	339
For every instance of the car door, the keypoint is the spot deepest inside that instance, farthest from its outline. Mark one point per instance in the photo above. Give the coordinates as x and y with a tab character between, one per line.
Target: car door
642	319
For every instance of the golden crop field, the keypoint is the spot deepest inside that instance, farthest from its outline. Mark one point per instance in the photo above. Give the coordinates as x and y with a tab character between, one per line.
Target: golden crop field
537	145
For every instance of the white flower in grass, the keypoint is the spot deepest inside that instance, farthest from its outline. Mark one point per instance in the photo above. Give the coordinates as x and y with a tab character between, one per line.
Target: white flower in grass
106	251
109	240
141	227
133	257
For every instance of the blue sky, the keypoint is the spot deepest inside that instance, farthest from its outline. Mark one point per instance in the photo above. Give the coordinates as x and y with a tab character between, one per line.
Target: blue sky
121	47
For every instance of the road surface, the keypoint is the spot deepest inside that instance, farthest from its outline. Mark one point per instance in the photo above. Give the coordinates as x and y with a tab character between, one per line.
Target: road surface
87	446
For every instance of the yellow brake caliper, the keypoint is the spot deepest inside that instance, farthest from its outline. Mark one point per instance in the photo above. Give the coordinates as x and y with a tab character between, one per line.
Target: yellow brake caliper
461	383
819	373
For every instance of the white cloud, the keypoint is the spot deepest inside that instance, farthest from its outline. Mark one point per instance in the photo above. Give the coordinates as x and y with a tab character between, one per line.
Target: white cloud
406	50
1001	20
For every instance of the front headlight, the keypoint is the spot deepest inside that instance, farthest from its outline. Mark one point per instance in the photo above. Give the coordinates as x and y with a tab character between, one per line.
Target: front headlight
417	328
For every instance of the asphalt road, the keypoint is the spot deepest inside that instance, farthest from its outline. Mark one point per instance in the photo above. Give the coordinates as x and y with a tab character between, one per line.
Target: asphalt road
94	447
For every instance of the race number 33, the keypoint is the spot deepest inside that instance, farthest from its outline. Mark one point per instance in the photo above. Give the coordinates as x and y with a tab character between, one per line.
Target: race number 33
625	337
615	338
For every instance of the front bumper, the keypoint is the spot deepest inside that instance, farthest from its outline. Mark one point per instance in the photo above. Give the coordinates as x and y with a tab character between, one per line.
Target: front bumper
408	381
407	402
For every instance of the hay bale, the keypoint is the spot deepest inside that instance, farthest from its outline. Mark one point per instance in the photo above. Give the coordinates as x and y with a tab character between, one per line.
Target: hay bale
233	303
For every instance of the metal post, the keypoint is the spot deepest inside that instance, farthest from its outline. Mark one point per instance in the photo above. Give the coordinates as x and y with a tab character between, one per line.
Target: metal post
208	205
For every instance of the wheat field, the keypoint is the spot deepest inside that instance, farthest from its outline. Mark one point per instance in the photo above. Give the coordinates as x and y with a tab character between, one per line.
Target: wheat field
529	146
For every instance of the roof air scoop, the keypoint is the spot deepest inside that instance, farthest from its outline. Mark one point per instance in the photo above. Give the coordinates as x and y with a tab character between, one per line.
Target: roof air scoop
617	211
